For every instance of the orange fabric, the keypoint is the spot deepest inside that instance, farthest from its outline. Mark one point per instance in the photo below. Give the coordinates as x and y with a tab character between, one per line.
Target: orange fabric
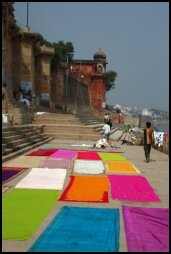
87	189
121	167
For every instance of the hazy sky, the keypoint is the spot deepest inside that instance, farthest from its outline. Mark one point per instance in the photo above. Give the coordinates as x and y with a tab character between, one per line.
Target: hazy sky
134	37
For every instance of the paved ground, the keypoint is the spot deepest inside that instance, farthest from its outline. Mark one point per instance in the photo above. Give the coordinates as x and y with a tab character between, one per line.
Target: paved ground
156	172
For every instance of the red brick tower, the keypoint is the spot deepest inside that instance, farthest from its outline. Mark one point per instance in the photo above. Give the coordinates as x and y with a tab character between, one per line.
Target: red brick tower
90	72
97	88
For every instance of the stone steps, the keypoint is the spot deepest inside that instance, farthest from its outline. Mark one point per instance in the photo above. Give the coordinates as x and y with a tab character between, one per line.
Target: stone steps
16	138
19	113
65	126
55	116
82	126
24	150
69	128
74	136
53	121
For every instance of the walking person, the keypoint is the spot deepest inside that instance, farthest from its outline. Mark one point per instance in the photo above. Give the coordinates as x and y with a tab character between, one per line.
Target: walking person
106	129
148	139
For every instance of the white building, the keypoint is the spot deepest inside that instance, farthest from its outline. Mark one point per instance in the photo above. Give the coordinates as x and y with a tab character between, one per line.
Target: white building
146	112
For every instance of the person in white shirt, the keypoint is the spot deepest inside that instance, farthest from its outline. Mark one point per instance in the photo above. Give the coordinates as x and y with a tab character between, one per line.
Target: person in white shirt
106	129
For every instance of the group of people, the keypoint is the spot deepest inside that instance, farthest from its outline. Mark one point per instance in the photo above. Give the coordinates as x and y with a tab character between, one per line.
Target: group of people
23	96
18	95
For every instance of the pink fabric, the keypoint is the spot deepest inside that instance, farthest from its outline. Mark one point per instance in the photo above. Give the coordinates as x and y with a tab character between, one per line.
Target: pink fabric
88	156
56	163
147	229
43	152
132	188
66	154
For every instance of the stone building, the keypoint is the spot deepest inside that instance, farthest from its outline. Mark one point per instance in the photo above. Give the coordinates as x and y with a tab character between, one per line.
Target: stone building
24	63
43	89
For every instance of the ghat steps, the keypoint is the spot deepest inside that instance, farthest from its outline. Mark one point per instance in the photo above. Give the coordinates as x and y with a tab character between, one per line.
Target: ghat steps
17	140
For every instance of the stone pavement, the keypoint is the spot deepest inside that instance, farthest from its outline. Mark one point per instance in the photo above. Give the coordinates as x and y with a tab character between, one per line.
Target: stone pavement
156	172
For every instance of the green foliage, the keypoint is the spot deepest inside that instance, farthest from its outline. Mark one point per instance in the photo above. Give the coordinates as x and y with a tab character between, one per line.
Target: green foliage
109	78
43	41
61	49
60	56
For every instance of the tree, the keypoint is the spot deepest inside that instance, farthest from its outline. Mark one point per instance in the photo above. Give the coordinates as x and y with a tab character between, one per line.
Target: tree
60	56
43	41
109	78
61	49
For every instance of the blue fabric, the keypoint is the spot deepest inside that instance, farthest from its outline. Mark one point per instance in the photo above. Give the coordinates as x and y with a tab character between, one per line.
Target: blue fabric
80	229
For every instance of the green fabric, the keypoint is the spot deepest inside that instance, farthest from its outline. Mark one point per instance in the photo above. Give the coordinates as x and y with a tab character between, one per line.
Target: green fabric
23	210
111	157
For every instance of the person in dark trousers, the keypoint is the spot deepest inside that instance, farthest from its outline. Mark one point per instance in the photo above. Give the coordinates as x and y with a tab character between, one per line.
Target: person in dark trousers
148	139
106	129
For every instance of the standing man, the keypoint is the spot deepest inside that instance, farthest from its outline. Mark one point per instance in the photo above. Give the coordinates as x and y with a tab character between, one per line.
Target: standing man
148	139
106	129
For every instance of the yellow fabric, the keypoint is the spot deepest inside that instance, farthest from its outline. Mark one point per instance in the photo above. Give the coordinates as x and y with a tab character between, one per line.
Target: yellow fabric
121	167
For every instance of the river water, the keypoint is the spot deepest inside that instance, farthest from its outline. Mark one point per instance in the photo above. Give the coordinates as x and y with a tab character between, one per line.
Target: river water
160	124
164	127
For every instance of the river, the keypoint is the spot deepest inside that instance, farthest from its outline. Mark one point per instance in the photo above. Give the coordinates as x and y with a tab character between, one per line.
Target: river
160	124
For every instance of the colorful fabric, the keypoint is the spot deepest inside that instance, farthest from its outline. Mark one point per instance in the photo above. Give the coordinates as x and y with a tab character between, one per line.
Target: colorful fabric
121	167
132	188
87	189
65	154
25	161
111	157
43	152
10	173
88	156
43	178
56	163
72	230
147	229
92	149
24	210
88	167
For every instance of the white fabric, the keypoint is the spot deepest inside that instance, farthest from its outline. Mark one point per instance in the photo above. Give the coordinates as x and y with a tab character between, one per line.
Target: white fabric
40	113
88	167
83	145
155	137
158	138
43	178
101	142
